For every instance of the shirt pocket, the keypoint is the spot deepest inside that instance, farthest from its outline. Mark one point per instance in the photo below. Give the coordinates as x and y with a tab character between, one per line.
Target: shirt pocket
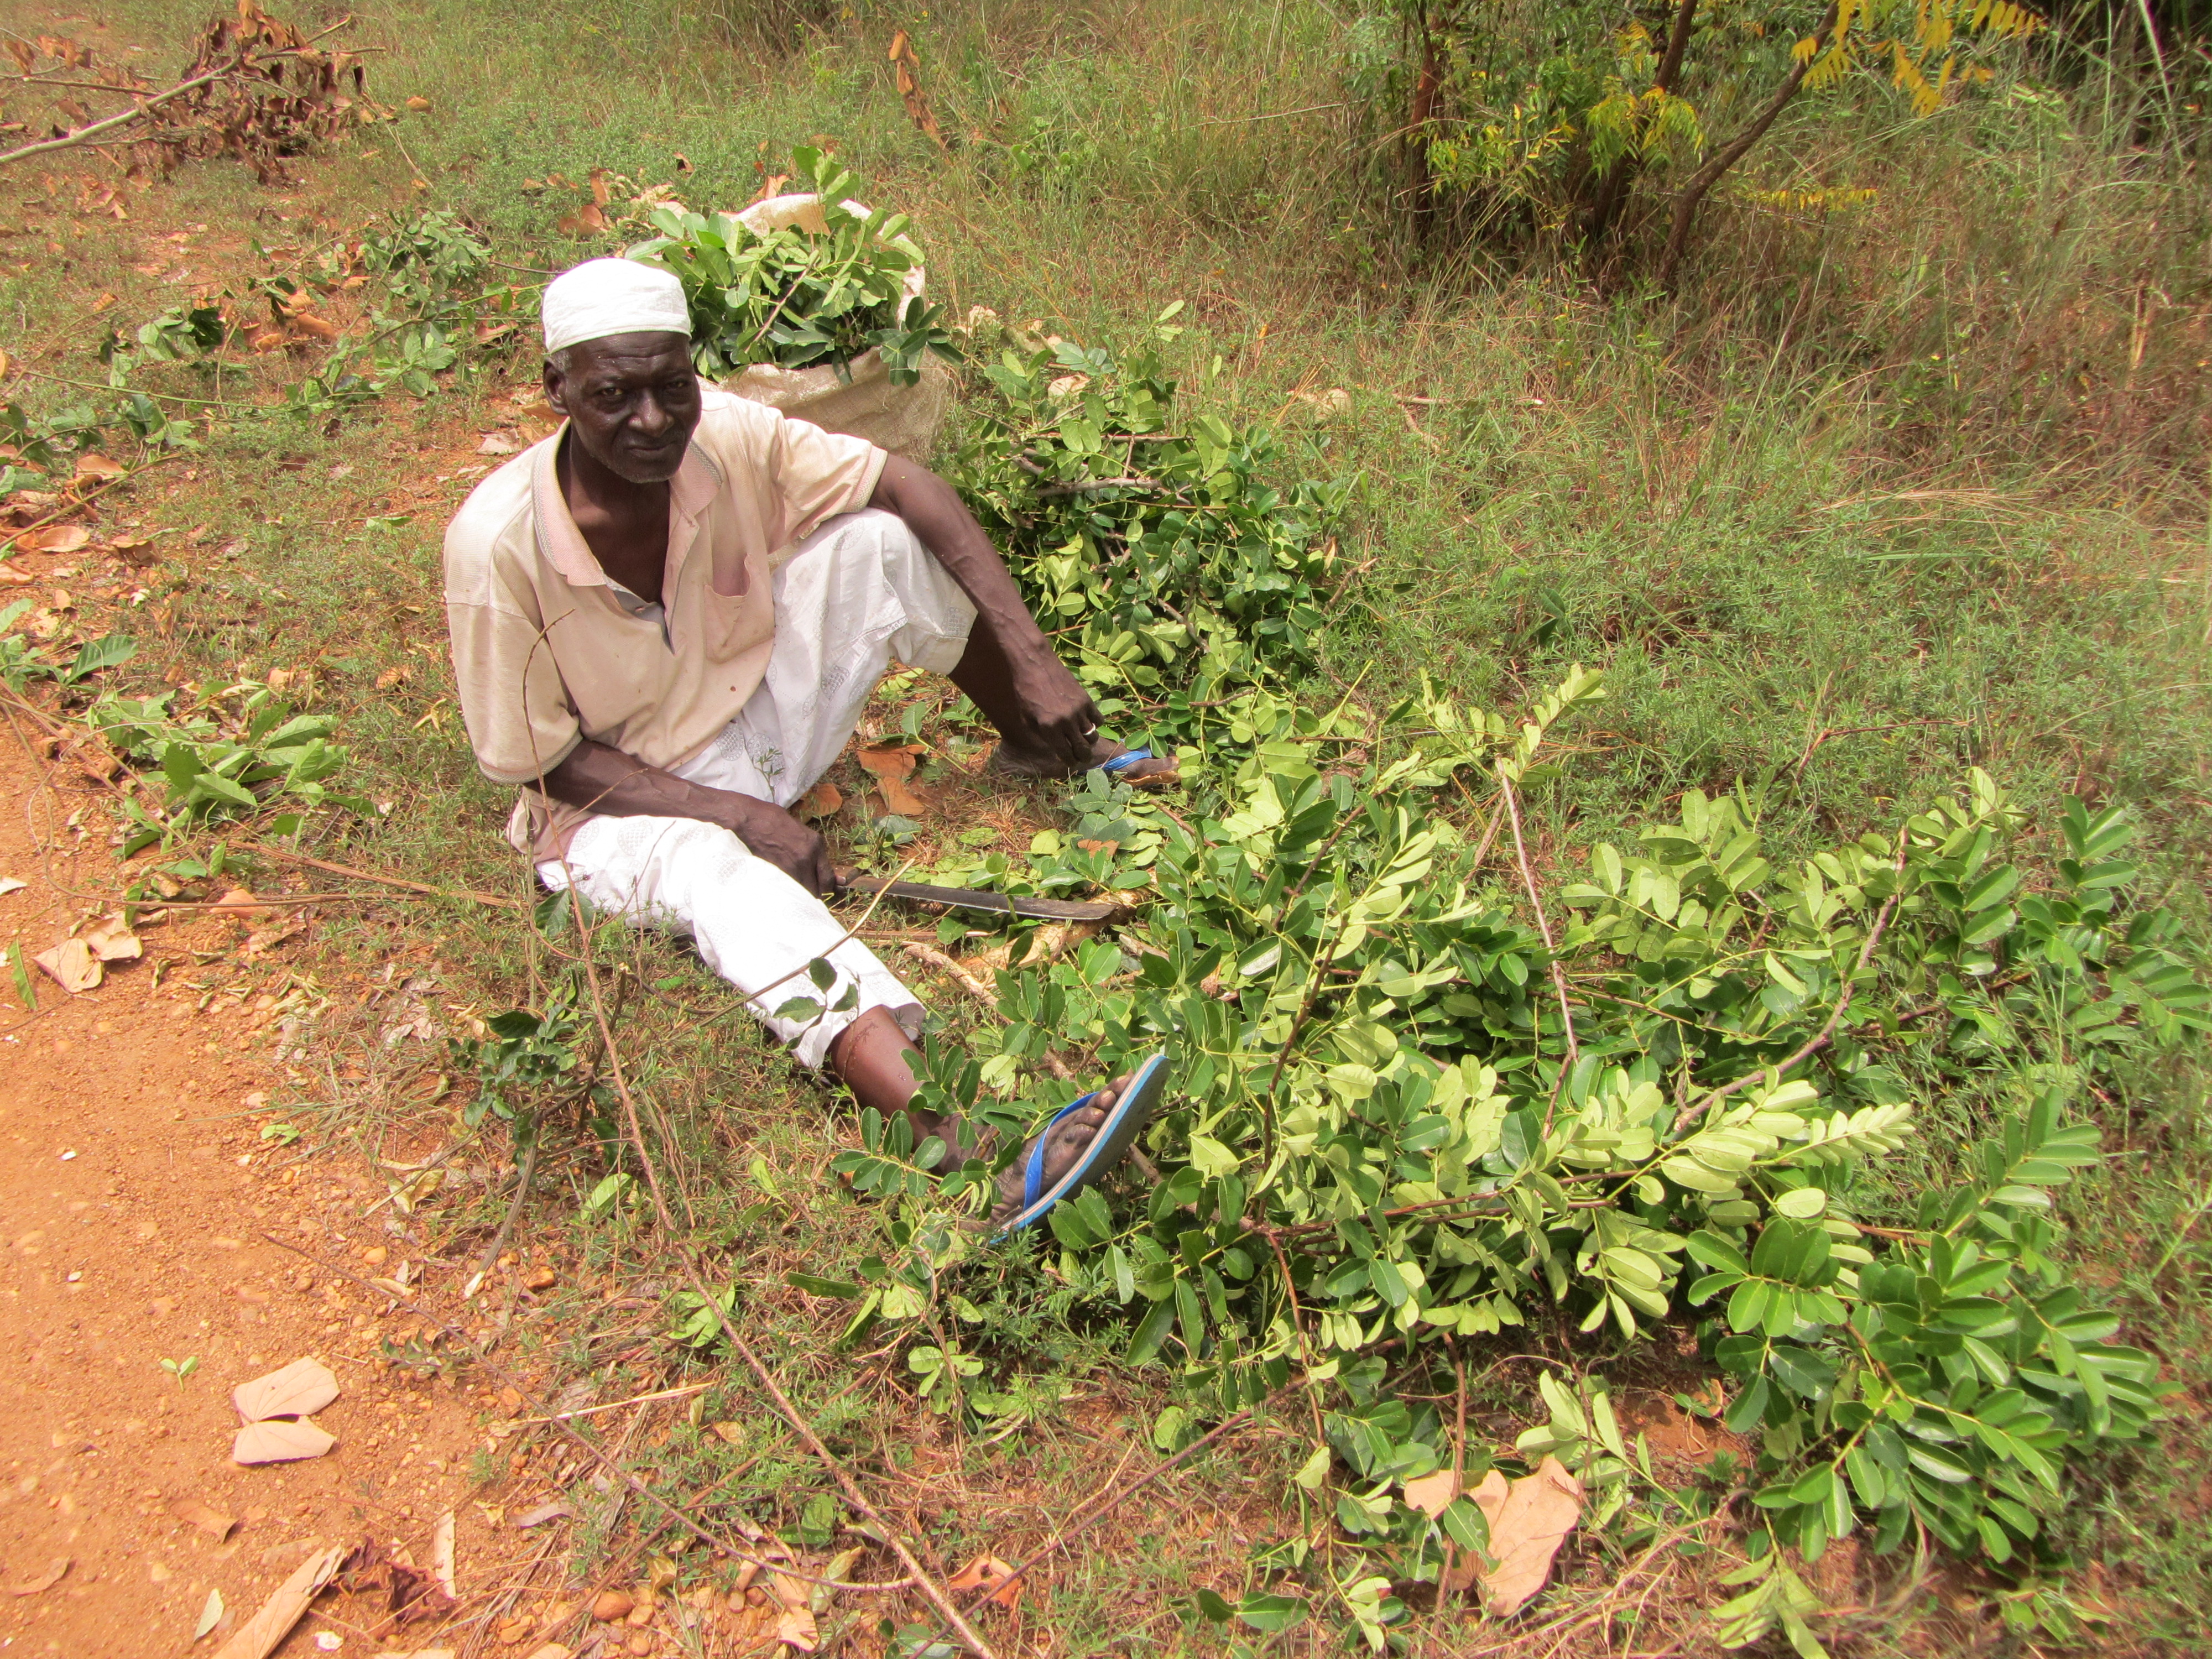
732	625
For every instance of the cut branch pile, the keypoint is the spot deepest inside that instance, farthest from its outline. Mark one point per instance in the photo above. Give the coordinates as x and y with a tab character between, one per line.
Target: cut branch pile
257	89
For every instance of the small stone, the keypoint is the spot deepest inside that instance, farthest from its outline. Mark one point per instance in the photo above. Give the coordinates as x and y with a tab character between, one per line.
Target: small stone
375	1255
612	1605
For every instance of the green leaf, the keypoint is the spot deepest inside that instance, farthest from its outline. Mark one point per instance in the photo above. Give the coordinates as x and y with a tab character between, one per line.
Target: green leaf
1264	1611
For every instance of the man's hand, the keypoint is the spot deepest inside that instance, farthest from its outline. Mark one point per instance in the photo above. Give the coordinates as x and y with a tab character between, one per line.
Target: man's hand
774	834
602	780
1062	712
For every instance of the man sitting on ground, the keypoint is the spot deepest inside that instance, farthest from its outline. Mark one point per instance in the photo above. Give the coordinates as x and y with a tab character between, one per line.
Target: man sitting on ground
666	619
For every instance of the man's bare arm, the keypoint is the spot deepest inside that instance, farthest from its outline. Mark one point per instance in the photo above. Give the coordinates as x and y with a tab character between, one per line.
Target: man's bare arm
619	786
1063	718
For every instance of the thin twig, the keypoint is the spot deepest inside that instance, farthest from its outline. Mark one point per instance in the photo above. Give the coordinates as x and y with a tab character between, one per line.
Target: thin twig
506	1227
81	501
1543	927
330	868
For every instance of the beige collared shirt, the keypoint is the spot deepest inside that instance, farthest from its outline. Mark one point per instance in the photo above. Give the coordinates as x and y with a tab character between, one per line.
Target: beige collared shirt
545	652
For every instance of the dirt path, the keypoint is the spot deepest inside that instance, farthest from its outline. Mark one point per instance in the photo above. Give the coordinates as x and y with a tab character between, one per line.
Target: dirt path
134	1195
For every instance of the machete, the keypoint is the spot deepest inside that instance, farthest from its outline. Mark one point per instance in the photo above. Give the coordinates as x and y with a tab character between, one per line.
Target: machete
969	898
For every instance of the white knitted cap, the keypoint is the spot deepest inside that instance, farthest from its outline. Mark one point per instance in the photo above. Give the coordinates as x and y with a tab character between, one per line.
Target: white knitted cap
613	297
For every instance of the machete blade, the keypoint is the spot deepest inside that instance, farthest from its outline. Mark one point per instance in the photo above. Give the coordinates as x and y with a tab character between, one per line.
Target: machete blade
969	898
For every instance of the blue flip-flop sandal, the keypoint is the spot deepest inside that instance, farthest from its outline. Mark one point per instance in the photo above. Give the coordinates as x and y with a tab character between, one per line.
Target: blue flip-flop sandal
1118	765
1106	1148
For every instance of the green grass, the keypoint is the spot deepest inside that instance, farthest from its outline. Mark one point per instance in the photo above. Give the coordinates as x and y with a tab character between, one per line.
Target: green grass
1808	554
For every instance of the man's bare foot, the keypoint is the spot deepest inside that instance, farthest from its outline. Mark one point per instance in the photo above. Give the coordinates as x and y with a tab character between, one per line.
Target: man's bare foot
1152	774
1064	1142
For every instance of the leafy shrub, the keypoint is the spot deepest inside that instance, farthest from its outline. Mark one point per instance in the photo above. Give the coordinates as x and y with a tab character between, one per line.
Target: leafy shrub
1148	537
1398	1115
797	298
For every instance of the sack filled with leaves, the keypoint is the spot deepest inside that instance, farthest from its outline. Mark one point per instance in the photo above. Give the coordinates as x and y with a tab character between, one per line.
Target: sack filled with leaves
813	304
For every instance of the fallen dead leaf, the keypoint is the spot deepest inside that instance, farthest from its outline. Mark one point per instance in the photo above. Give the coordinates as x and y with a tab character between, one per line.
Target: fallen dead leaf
73	966
418	103
45	1580
12	884
1530	1519
238	901
891	767
795	1629
11	577
211	1520
261	940
299	1390
499	443
112	941
396	676
822	801
273	1620
56	539
734	1433
550	1650
585	221
987	1572
279	1442
541	1514
1431	1494
96	465
210	1615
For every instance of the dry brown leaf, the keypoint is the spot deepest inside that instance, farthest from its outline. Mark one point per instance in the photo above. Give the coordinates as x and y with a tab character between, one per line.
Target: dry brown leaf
299	1390
111	941
259	1636
11	577
211	1520
550	1650
395	675
499	443
238	901
56	539
278	1441
73	965
987	1572
1431	1494
261	940
12	884
96	465
538	1516
210	1614
822	801
585	221
1530	1519
891	767
418	104
795	1629
734	1433
45	1581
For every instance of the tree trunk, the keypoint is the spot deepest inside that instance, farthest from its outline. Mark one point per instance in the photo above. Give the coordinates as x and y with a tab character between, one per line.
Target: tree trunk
1421	187
1612	194
1685	205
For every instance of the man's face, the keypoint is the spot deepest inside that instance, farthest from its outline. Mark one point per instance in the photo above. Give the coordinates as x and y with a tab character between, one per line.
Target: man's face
632	402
